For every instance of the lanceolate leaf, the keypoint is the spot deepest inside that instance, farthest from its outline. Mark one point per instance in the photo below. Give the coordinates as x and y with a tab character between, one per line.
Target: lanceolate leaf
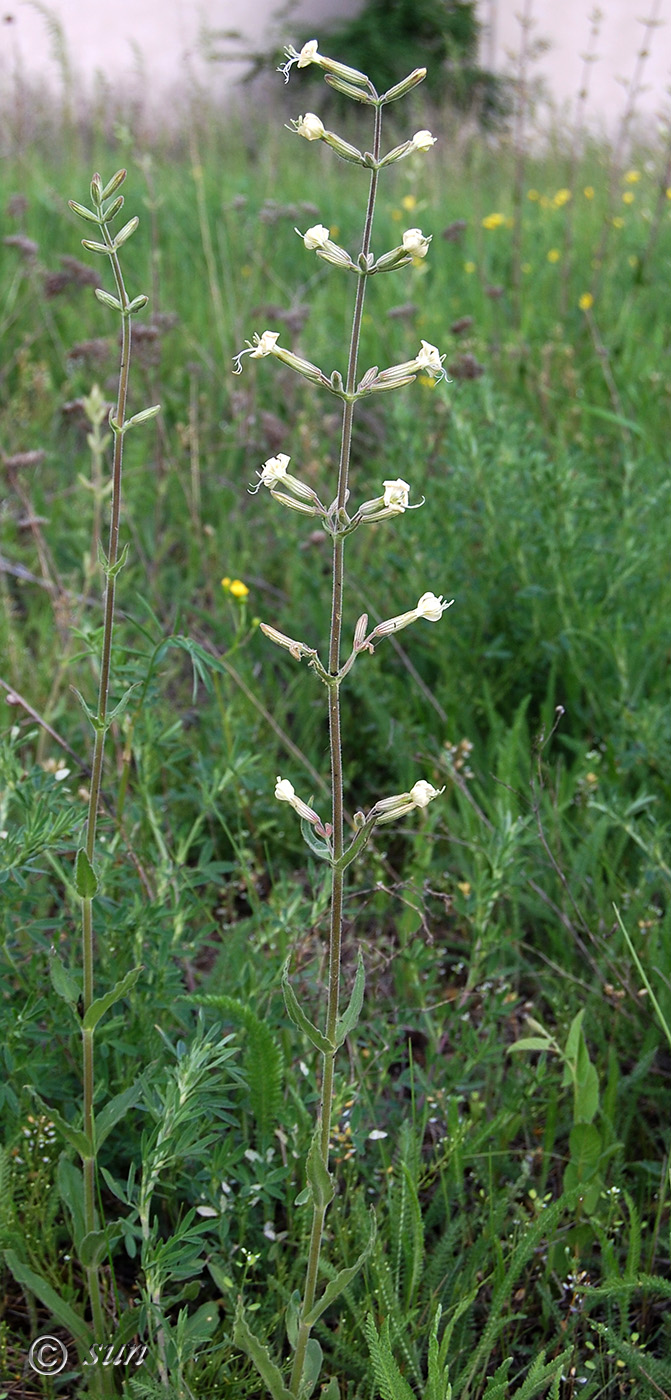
268	1369
64	984
114	1111
341	1280
299	1018
346	1023
319	1177
52	1300
103	1004
86	880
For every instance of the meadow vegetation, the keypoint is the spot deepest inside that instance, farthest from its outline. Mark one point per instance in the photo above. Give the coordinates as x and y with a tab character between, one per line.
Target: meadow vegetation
521	1199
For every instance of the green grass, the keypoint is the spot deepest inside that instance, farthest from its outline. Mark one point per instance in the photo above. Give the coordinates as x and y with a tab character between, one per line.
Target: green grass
547	519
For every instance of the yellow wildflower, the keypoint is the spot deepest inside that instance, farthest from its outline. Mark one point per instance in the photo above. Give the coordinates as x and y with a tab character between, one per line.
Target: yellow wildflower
533	195
586	301
618	222
426	381
589	192
238	589
409	202
561	197
632	177
334	231
226	583
469	267
554	255
493	220
628	197
668	192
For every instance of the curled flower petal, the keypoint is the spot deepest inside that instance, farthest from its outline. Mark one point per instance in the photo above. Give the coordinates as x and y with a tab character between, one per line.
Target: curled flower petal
423	140
396	494
423	793
316	237
415	242
431	607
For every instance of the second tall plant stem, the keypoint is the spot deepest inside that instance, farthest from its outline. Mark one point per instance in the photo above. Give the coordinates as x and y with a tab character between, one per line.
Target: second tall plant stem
89	1162
335	933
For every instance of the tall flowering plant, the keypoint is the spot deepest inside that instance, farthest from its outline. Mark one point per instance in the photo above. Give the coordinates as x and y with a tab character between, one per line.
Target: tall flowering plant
326	837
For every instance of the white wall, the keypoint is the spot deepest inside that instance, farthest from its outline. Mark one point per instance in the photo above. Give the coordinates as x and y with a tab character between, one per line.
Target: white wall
161	39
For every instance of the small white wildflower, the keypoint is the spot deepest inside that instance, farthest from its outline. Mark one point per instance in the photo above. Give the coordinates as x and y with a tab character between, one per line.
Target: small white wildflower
376	1135
274	470
258	347
310	126
316	237
423	140
61	774
308	53
430	360
284	790
208	1212
431	607
415	242
396	494
423	793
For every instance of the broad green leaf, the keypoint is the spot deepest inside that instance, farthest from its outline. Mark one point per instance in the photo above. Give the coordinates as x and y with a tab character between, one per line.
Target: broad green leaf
115	1110
586	1086
98	1243
346	1023
572	1046
268	1369
103	1004
62	981
74	1136
52	1300
337	1285
299	1017
585	1146
86	880
332	1391
317	844
312	1365
319	1177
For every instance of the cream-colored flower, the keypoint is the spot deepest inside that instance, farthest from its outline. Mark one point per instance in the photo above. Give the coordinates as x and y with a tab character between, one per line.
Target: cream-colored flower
431	607
310	126
416	243
308	53
430	359
423	793
274	470
258	347
316	237
396	495
284	790
423	140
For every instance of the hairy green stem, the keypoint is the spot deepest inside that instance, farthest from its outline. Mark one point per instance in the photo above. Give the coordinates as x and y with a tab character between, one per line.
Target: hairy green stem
335	933
89	1163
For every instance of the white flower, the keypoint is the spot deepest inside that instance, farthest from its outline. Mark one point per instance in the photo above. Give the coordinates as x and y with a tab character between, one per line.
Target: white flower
423	793
415	242
423	140
396	495
260	346
308	53
310	126
316	237
274	469
284	790
431	607
430	360
267	343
